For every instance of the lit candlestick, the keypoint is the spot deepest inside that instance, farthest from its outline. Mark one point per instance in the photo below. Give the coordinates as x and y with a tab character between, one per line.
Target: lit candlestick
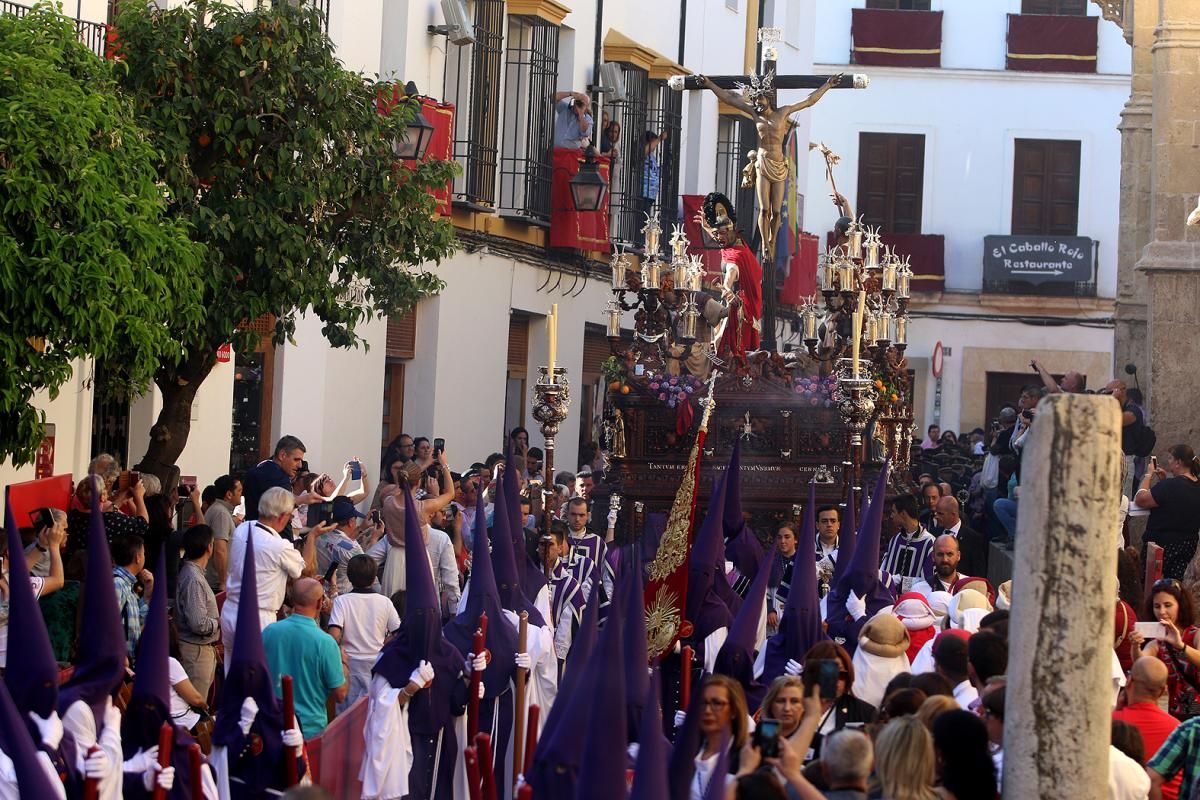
618	270
614	321
828	272
889	276
903	279
901	331
854	246
679	272
871	325
846	275
872	253
808	319
857	332
651	273
552	332
883	333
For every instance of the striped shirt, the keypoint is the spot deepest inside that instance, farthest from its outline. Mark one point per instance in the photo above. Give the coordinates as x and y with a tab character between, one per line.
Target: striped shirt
909	557
1181	751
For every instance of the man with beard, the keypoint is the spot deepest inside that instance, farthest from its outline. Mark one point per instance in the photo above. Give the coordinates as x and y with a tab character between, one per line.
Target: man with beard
946	555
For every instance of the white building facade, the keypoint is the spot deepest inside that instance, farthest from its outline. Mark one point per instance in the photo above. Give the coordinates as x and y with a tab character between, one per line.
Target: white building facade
940	150
462	365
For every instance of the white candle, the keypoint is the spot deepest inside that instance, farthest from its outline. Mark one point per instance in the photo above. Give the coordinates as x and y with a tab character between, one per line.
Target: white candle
552	333
858	320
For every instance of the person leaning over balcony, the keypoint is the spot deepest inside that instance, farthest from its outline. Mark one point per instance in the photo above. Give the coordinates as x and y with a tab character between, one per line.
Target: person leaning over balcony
572	120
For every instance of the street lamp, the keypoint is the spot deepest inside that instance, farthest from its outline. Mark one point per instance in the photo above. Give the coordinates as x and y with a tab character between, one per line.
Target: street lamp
588	185
418	135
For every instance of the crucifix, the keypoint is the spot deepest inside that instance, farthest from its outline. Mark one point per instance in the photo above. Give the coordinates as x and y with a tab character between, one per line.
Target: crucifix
767	168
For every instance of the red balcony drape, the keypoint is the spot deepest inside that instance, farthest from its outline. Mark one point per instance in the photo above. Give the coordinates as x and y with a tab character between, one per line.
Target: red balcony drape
889	38
576	230
1052	43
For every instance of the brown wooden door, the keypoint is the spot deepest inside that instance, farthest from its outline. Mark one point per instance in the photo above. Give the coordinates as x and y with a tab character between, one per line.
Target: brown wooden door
900	5
1045	187
891	175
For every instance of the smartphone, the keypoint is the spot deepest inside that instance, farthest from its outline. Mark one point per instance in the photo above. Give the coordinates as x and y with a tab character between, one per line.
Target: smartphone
356	470
439	444
1151	630
41	518
375	518
827	678
319	513
766	736
1154	462
185	491
134	478
329	573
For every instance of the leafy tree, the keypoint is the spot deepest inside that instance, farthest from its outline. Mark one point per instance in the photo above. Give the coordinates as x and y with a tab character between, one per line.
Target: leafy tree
89	264
281	161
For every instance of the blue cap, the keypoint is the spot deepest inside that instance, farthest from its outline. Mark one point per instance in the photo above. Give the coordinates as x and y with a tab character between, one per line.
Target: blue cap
344	510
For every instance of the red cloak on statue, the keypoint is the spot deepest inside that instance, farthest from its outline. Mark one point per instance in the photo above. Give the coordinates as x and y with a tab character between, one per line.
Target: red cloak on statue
741	333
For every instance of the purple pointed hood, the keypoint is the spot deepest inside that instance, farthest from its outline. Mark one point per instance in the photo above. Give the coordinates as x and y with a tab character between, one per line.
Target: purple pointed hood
800	624
704	607
150	700
100	667
732	520
863	574
636	659
736	656
606	723
582	645
504	562
681	766
420	637
249	676
17	744
528	571
839	586
650	774
33	677
483	596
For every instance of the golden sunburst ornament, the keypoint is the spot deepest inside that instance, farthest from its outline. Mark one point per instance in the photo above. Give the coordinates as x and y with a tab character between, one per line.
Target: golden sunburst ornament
662	620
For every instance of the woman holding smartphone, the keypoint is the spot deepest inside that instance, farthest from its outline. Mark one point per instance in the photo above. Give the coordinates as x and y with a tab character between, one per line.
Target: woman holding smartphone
1174	503
842	709
1179	647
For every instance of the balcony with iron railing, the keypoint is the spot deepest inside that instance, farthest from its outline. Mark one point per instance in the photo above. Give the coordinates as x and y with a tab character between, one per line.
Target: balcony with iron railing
92	34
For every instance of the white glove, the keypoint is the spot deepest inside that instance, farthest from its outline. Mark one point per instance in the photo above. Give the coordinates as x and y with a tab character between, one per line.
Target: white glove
141	761
96	765
293	738
680	716
50	729
249	712
632	750
481	690
524	661
793	667
856	607
165	778
476	663
612	518
423	675
112	717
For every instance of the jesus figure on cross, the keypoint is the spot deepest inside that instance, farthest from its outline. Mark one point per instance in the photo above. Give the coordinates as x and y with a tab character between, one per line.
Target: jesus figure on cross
768	166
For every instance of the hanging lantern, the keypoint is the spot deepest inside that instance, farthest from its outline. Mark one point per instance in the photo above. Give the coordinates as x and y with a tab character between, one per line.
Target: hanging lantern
588	185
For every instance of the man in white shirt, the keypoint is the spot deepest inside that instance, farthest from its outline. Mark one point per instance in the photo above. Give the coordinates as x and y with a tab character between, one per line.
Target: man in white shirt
950	660
360	621
946	555
441	557
275	561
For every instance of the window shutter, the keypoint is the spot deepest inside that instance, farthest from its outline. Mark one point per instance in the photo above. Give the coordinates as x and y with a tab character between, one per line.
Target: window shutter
402	335
518	344
595	351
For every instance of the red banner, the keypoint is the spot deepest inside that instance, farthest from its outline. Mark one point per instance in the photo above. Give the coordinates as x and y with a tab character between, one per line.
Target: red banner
801	279
1052	43
335	755
441	117
890	38
576	230
699	243
42	493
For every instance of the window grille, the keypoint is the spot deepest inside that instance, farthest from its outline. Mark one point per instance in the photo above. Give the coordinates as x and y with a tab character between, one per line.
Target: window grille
736	136
530	75
666	116
626	205
472	84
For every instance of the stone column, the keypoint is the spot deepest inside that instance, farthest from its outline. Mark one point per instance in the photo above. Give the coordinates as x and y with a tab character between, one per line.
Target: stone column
1059	705
1171	261
1131	346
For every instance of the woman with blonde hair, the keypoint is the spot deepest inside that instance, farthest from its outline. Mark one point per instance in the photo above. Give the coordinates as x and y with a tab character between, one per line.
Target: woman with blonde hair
904	760
723	714
934	707
784	702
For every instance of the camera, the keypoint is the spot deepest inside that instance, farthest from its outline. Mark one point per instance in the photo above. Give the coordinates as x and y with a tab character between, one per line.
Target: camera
41	518
319	514
766	738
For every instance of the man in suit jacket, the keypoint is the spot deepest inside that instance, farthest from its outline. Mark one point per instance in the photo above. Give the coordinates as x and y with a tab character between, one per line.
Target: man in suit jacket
970	542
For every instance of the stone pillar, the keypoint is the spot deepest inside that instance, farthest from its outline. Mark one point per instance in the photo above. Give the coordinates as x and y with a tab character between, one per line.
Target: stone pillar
1131	345
1059	705
1171	261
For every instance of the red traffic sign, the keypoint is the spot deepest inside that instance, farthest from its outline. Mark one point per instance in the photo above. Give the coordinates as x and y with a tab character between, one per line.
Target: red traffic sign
224	353
935	363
